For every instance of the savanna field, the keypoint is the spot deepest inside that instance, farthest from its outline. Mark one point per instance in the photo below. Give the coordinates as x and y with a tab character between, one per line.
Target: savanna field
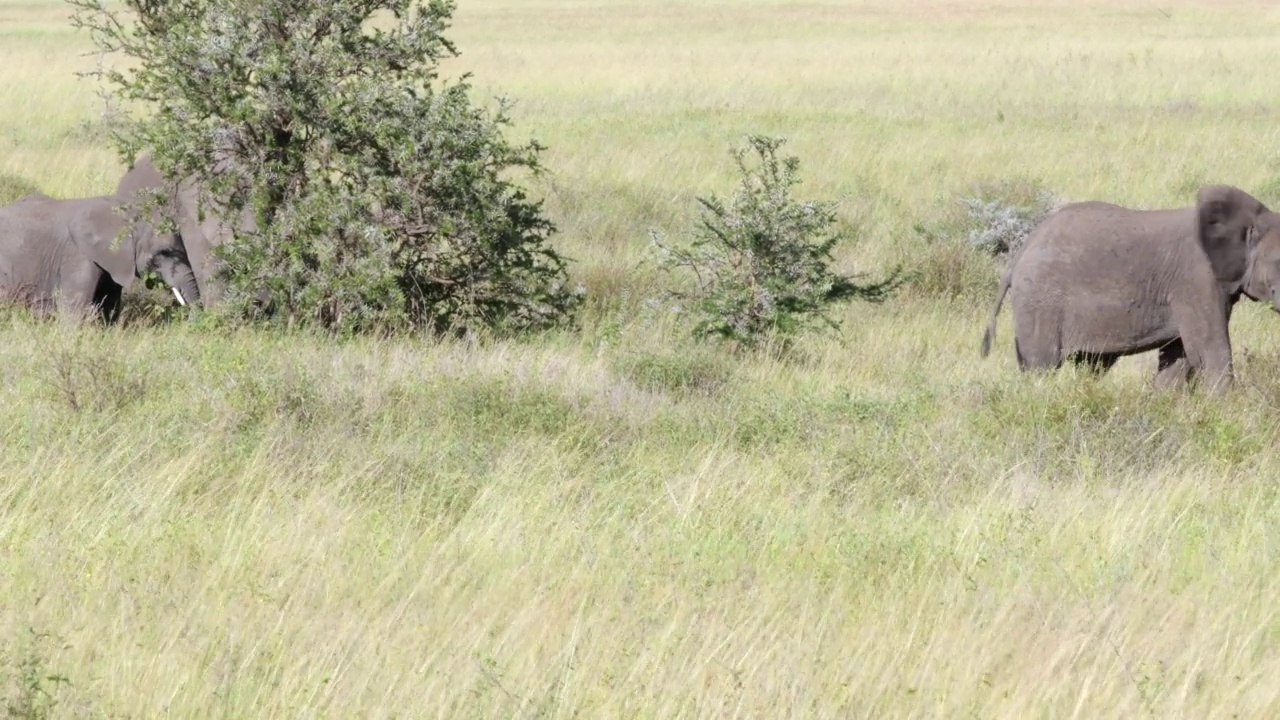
621	521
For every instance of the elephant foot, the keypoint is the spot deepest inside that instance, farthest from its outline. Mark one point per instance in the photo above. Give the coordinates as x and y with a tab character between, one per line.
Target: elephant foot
1218	381
1175	375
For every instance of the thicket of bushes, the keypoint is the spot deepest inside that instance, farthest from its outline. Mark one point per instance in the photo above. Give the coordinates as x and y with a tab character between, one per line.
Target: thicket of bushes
385	199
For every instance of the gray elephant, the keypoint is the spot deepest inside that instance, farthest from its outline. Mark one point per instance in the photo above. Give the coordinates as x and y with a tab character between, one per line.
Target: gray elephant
1096	281
187	200
81	253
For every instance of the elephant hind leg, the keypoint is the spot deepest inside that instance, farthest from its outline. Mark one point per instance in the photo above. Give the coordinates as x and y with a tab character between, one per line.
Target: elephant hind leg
1173	368
1037	355
1037	336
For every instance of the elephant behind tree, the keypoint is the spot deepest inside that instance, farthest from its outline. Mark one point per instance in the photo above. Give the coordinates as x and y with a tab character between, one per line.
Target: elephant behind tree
1096	281
187	199
61	251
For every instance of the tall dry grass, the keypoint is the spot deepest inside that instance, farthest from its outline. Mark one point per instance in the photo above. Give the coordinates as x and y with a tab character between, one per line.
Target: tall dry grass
620	523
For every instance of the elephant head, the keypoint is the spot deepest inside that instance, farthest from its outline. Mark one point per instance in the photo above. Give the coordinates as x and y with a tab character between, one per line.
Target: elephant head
1242	239
200	222
125	246
1262	280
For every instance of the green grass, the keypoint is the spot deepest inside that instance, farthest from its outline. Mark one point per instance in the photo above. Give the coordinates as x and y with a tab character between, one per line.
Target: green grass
620	523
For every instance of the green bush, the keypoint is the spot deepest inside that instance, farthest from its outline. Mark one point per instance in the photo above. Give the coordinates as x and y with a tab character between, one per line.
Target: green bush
961	248
383	198
13	187
949	270
760	263
677	372
79	373
30	690
1002	214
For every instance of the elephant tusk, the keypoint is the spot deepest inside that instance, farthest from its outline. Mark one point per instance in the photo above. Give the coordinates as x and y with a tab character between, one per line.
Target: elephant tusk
178	295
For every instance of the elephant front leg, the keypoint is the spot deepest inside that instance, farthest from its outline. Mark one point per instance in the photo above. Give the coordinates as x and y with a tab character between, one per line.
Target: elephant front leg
1203	341
107	298
1173	369
74	294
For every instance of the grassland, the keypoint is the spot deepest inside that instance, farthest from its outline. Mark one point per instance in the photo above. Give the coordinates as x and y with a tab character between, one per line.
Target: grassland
620	523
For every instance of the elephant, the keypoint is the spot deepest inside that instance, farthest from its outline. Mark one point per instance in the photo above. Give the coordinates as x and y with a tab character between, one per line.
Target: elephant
1095	281
60	252
186	199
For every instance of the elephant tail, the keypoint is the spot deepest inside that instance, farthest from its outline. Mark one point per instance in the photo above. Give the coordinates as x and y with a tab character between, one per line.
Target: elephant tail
1005	280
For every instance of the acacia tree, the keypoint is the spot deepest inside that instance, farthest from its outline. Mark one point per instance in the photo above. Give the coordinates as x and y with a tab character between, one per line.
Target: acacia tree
383	197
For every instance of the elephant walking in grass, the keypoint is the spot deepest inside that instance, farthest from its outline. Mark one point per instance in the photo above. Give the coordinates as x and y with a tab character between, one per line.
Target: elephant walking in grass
80	254
1096	281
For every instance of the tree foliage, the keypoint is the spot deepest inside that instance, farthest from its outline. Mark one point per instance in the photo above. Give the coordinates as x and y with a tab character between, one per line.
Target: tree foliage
382	196
761	262
13	187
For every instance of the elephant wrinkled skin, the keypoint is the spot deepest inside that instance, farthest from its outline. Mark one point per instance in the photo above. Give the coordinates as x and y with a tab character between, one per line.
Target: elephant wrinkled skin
61	250
1096	281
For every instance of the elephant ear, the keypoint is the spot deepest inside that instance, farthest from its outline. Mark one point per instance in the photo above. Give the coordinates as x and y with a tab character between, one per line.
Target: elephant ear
103	235
1224	218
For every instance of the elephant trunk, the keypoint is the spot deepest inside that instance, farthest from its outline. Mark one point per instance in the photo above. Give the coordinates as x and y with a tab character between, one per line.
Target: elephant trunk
181	278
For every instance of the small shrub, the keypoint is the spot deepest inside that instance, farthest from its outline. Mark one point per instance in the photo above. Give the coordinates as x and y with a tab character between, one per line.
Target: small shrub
506	407
760	262
31	691
1002	215
291	395
674	372
960	249
13	187
90	378
953	271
